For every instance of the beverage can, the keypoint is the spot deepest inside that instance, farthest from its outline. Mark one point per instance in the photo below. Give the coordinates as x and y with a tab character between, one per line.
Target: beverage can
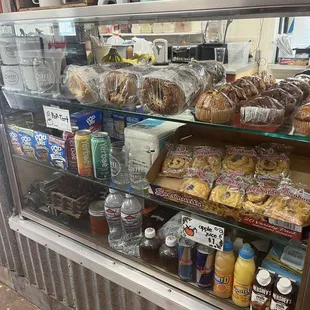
186	256
100	147
70	148
83	152
205	257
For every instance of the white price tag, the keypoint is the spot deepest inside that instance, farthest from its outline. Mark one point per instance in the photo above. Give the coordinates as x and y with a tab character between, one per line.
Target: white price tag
57	118
203	232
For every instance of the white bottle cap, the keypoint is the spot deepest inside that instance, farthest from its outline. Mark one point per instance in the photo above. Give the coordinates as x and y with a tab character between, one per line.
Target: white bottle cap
112	190
128	196
149	233
284	286
171	241
263	277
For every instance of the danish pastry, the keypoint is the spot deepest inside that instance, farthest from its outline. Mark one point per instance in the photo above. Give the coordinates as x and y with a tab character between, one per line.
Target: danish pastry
272	167
226	195
196	187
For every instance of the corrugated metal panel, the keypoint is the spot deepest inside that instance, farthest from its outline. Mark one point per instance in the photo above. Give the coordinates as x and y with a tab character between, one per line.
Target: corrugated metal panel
72	284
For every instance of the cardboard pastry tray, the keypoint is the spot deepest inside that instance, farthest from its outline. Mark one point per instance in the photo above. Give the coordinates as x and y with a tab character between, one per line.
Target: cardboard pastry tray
168	188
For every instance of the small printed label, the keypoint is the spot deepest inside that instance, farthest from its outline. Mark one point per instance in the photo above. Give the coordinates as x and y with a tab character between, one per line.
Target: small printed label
11	77
45	78
57	118
204	233
241	292
131	221
223	283
112	214
11	50
115	166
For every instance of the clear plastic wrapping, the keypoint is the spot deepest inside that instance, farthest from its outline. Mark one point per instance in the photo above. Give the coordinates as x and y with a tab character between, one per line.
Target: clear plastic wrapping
268	79
235	93
216	70
197	187
172	90
302	85
257	81
292	89
248	87
120	87
302	120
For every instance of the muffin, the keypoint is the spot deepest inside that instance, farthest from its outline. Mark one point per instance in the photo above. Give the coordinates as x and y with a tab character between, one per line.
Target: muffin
257	81
248	87
268	79
288	101
262	113
302	85
292	89
302	120
214	107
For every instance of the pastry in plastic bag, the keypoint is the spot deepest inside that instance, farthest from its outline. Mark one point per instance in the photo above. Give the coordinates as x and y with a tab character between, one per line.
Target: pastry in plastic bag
302	120
248	87
240	160
303	77
229	190
214	107
302	85
177	161
273	161
216	70
268	79
292	89
120	87
291	205
196	187
257	81
235	93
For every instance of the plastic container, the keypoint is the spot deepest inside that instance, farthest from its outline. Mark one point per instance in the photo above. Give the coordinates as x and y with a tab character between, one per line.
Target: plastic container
224	270
112	209
12	77
238	53
244	276
8	50
149	246
168	253
98	222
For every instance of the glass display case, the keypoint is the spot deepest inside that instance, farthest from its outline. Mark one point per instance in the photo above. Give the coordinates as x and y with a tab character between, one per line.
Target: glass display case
113	105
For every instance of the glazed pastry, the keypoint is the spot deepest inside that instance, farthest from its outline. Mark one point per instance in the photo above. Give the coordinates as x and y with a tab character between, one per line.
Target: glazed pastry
235	93
262	111
302	120
196	187
302	85
268	79
282	96
248	87
257	81
292	89
214	107
239	160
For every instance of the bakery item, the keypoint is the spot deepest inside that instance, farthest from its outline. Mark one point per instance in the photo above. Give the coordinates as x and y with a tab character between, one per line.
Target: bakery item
268	79
257	81
248	87
239	160
214	107
282	96
303	77
302	120
292	89
196	187
302	85
216	70
235	93
264	113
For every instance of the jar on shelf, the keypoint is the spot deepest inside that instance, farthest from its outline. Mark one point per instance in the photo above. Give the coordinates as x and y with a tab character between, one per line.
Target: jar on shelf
98	222
27	70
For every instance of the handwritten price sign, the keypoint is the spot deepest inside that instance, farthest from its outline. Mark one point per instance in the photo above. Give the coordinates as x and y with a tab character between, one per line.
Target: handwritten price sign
203	232
57	118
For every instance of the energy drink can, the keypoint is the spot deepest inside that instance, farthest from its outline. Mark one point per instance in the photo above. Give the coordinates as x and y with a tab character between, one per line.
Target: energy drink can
186	256
83	152
100	148
70	148
205	257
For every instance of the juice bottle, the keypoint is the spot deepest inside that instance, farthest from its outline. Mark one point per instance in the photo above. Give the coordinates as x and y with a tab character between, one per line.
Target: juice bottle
244	276
149	246
224	270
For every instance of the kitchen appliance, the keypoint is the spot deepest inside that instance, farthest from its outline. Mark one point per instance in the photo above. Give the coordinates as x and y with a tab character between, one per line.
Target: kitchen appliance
160	50
206	51
184	53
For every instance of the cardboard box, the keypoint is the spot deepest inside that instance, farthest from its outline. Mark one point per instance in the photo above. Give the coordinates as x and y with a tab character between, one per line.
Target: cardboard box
169	188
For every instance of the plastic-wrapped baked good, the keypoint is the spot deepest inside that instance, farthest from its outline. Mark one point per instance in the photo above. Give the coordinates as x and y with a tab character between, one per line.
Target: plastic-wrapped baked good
268	79
171	90
239	160
291	205
235	93
229	190
288	101
292	89
196	187
302	85
302	120
177	161
262	113
248	87
206	160
216	70
257	81
120	87
82	81
214	107
273	161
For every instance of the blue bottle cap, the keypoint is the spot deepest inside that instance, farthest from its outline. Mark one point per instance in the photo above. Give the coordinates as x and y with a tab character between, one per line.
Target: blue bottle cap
246	252
228	245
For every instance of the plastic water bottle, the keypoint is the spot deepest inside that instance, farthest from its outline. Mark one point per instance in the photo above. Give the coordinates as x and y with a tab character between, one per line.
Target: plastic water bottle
112	209
132	225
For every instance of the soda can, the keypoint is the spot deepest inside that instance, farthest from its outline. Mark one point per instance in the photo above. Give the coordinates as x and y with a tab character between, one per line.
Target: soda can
83	152
186	256
70	148
100	148
205	257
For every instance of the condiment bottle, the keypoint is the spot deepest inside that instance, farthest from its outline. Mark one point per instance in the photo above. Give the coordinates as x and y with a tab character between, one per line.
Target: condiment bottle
243	276
224	270
168	253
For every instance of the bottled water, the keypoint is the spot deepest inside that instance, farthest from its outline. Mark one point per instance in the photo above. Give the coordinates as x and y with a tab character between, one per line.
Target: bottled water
132	225
112	209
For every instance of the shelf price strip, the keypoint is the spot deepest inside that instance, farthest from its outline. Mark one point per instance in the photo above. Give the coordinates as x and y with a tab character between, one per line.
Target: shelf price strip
203	232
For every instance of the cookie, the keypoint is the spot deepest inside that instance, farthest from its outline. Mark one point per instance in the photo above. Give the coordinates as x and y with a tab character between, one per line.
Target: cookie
196	187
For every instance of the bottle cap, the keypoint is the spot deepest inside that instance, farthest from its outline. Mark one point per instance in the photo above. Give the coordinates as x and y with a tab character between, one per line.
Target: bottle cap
228	245
128	196
284	286
246	252
149	233
171	241
263	277
112	190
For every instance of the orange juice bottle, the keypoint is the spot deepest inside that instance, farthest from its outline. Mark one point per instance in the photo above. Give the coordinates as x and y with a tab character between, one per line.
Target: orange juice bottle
224	270
244	276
